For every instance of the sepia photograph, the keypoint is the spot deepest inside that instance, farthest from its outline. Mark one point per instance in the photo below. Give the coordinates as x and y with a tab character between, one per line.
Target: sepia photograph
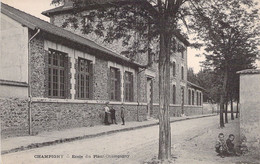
130	82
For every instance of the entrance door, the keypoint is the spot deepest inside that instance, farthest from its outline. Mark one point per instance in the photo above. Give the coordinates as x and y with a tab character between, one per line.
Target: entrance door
149	93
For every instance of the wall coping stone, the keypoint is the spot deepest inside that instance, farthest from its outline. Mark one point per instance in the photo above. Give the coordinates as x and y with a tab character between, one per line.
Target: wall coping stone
52	100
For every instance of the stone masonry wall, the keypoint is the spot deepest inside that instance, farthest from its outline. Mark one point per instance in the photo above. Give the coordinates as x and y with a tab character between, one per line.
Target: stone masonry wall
38	65
55	116
175	111
14	117
100	80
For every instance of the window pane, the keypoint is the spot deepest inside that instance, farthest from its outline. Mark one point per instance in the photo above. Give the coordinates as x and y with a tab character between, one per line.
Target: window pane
128	86
56	73
84	78
115	84
174	94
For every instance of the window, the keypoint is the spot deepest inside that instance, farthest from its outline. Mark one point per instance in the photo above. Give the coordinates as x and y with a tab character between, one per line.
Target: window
129	88
56	73
189	97
150	58
198	98
182	73
174	69
192	97
182	97
84	79
182	53
115	92
174	94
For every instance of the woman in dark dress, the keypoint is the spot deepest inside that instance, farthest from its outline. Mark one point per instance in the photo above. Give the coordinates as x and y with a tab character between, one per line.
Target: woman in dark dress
113	115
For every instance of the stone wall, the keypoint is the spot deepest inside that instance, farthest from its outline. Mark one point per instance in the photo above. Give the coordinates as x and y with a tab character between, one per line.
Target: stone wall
14	117
100	80
176	111
39	59
48	116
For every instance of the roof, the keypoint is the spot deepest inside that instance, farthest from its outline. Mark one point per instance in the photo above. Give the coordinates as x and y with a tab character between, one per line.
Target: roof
249	71
68	6
36	23
195	86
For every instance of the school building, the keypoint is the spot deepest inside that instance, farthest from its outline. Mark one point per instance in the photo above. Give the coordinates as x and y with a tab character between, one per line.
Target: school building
53	78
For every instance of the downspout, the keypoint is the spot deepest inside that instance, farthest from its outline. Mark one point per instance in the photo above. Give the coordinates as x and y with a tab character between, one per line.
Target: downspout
29	82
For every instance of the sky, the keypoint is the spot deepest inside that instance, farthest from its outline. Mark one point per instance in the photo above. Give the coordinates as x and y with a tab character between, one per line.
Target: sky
35	7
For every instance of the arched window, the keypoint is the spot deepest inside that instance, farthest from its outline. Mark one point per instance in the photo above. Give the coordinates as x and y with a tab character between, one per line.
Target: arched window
174	94
198	99
192	97
182	96
189	97
182	73
174	69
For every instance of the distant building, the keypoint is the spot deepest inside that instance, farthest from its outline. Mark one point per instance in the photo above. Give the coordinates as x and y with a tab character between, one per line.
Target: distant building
53	78
249	99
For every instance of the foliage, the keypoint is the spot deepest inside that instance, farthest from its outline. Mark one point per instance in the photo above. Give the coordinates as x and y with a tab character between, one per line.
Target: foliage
230	31
143	26
150	26
191	76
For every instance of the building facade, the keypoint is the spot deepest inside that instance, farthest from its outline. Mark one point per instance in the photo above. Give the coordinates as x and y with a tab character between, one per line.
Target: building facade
53	78
249	99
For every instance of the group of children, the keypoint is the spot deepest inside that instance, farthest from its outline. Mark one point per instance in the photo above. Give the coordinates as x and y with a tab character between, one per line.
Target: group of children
111	113
225	148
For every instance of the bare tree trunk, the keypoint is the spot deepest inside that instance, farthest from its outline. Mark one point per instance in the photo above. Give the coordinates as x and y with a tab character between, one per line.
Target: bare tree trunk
223	98
226	112
231	106
164	98
221	111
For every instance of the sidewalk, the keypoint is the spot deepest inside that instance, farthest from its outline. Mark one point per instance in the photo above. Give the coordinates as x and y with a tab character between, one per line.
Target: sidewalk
15	144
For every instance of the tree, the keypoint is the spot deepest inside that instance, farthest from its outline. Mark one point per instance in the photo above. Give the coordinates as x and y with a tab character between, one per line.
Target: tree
230	32
191	77
152	21
209	80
